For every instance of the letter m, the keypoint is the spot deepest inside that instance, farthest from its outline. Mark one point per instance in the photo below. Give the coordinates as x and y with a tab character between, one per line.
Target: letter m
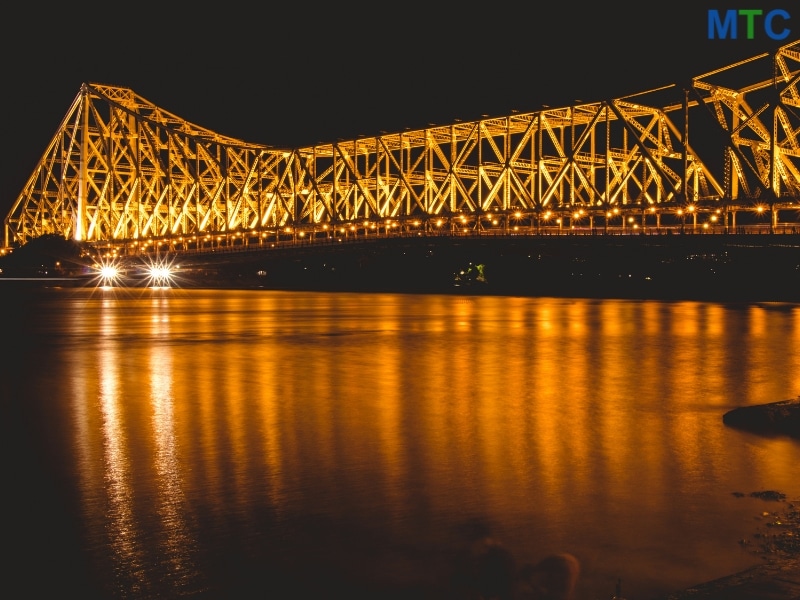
719	28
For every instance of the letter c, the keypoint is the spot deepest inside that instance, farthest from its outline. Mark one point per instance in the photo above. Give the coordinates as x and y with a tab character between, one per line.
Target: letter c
778	12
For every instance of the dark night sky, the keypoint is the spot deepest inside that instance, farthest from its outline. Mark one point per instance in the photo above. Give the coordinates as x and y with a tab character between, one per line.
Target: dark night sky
284	76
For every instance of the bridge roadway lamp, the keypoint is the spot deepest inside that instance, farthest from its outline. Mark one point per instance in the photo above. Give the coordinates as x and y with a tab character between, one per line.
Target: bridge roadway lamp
108	273
160	275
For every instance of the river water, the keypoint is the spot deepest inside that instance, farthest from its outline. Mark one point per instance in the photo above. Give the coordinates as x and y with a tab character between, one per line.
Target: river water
253	443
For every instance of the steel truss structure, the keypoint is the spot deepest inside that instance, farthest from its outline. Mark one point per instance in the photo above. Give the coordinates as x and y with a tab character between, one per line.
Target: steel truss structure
120	168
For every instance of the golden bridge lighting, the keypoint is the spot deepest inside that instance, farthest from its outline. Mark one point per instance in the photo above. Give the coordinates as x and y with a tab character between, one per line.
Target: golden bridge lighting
403	177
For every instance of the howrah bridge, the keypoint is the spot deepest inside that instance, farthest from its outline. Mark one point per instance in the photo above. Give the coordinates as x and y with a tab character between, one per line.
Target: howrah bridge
720	152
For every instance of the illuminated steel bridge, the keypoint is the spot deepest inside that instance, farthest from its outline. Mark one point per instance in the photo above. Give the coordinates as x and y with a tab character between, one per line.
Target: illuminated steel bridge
122	172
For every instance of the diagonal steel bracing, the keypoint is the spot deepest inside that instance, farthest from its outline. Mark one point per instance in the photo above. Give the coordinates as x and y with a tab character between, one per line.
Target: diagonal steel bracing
120	169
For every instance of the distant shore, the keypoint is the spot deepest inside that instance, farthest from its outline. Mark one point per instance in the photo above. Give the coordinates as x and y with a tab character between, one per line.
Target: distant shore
719	268
731	267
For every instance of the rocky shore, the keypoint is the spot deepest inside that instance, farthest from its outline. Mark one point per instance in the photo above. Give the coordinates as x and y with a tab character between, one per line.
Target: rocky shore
776	580
777	542
775	418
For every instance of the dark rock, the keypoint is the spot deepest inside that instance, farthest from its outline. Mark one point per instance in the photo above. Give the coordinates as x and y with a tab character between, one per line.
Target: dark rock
777	417
769	495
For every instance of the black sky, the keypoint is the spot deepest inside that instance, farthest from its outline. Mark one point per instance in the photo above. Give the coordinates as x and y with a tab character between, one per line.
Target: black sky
297	73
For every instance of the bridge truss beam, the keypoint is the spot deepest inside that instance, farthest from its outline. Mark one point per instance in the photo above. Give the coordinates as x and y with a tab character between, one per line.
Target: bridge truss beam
120	168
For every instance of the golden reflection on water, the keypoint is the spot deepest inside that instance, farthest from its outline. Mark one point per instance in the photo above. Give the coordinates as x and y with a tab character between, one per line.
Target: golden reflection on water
270	429
178	546
591	426
123	531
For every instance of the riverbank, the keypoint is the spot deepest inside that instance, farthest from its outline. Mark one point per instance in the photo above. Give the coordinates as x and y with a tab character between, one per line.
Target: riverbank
778	542
776	580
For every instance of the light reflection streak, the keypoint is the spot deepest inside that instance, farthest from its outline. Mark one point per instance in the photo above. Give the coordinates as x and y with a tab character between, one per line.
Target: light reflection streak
758	322
232	414
123	530
269	403
178	546
387	414
202	390
90	471
323	409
